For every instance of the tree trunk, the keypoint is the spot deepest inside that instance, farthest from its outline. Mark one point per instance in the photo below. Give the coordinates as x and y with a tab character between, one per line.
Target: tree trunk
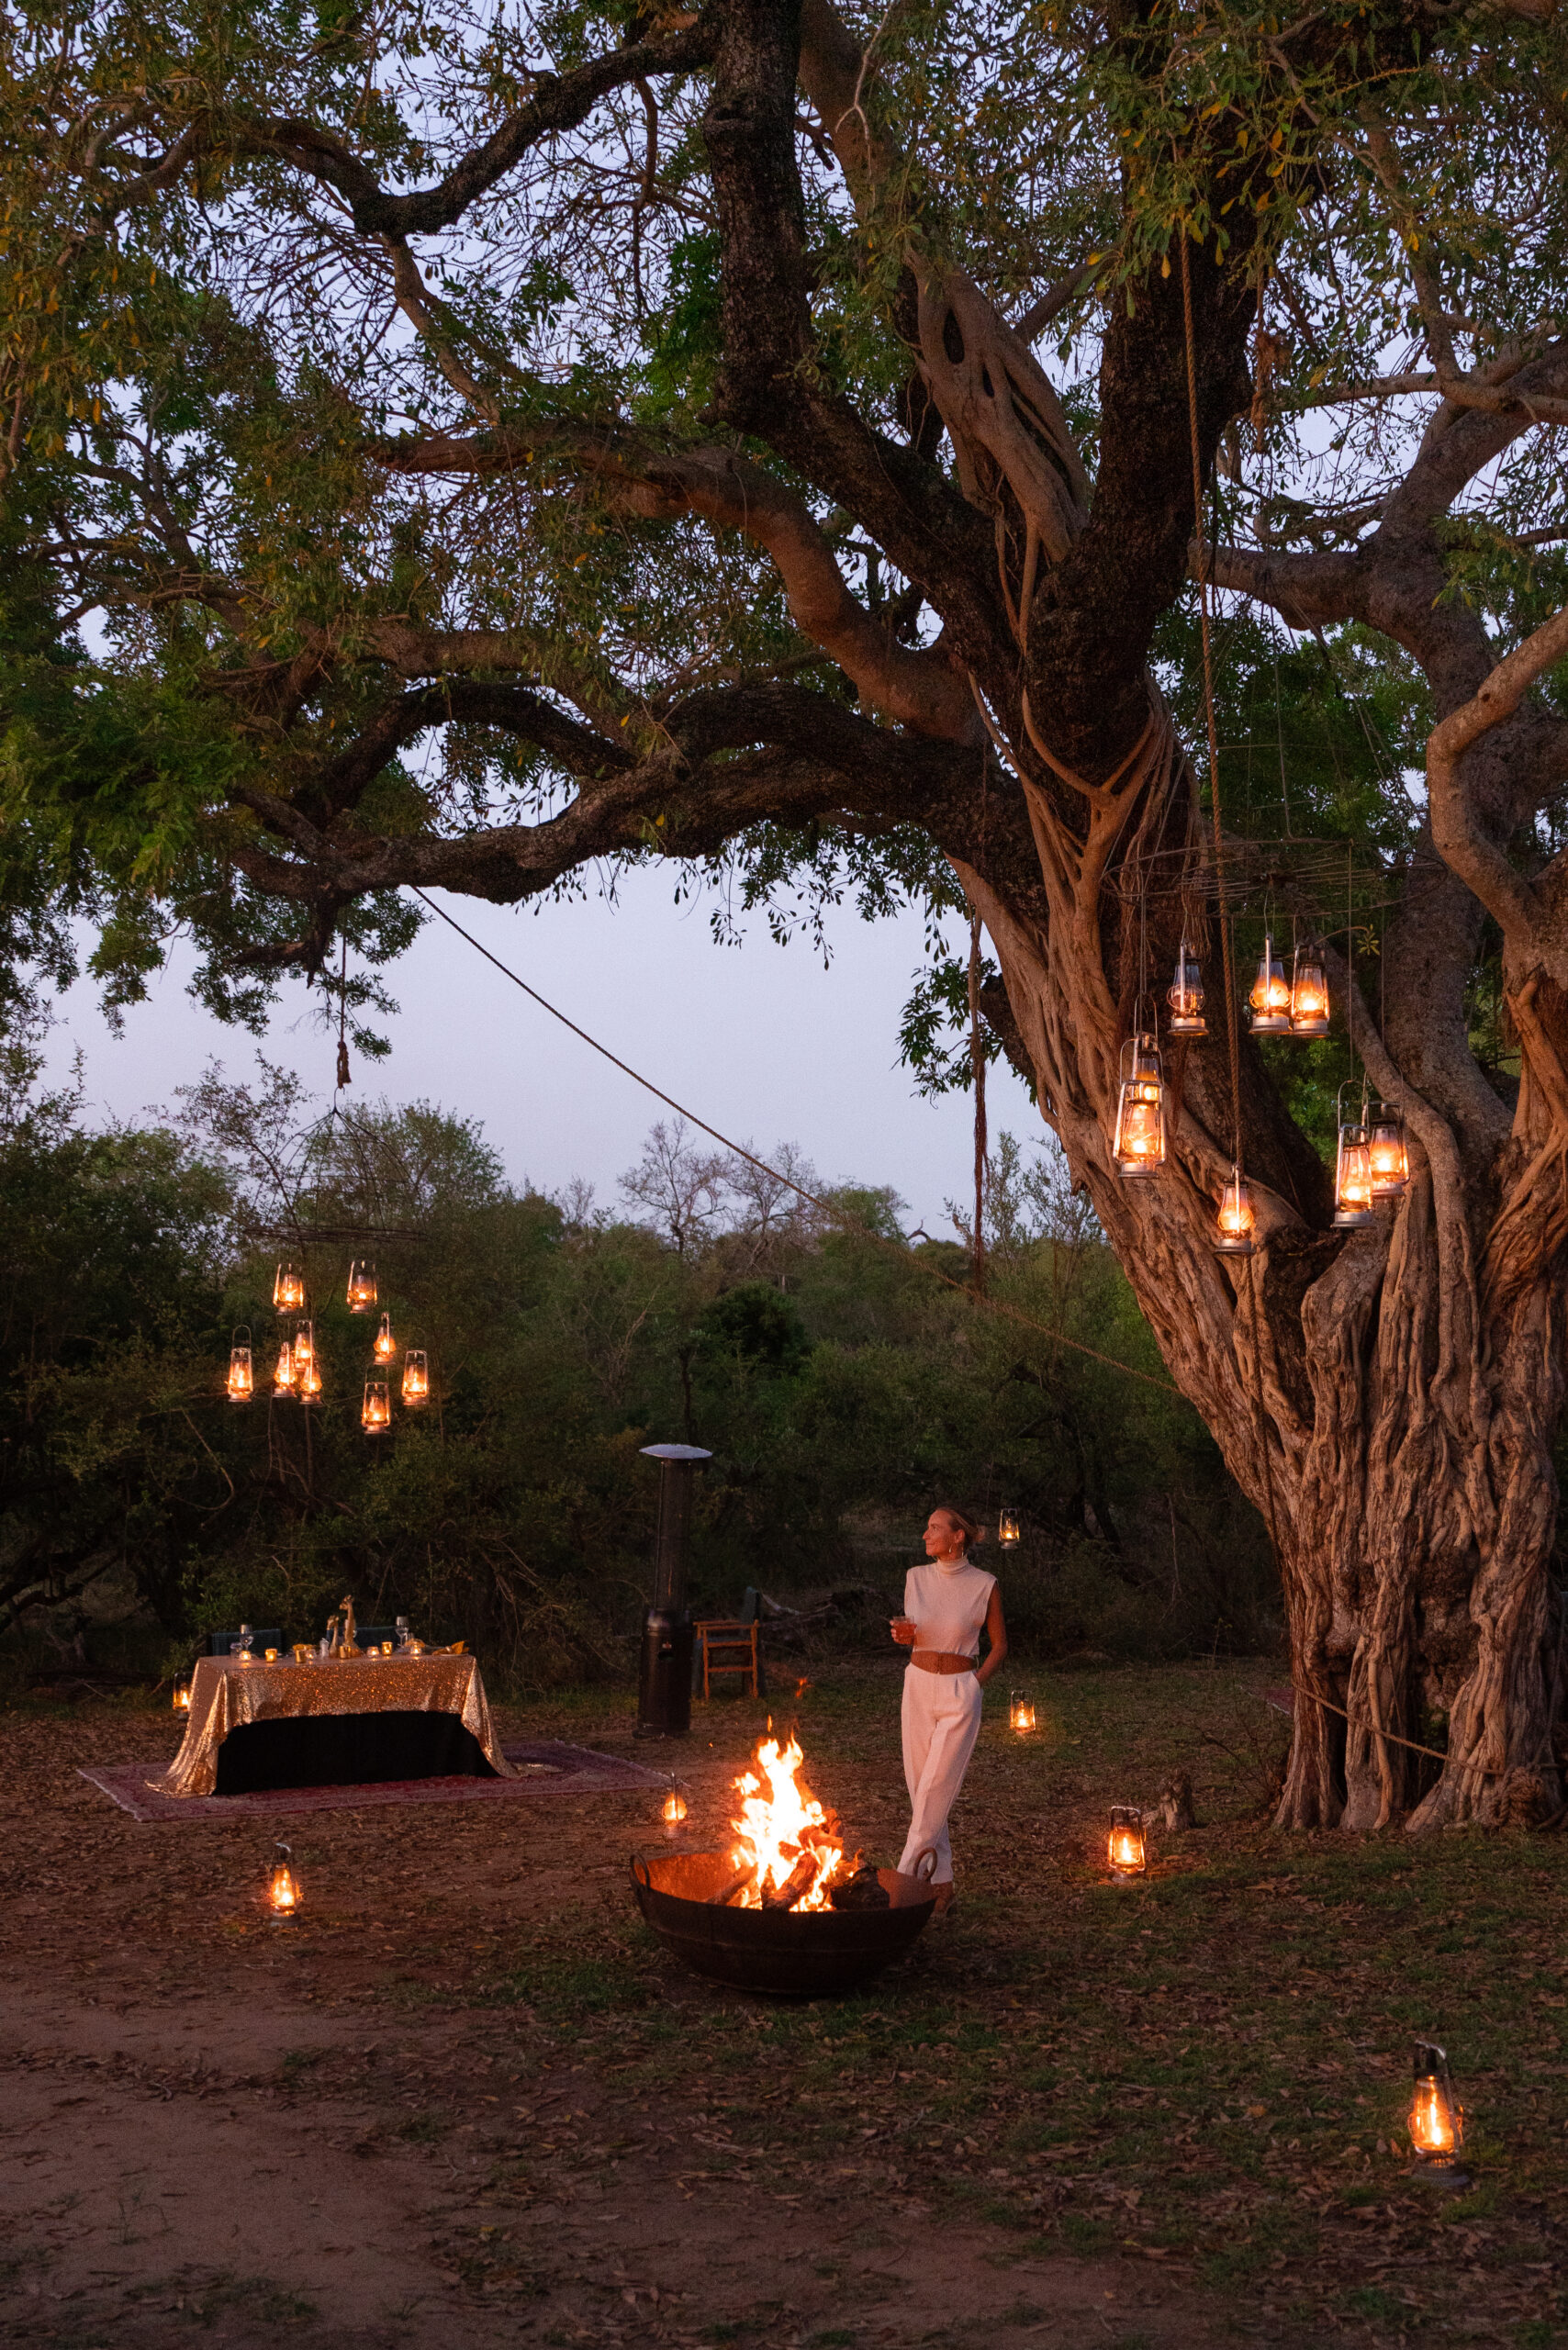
1396	1432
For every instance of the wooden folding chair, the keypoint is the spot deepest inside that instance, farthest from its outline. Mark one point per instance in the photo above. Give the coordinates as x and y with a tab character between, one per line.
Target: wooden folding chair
730	1646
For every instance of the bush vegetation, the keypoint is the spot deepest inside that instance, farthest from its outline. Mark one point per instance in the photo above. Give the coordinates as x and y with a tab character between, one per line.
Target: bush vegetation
840	1386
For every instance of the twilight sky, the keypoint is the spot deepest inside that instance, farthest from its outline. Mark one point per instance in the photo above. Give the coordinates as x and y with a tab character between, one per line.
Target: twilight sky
760	1039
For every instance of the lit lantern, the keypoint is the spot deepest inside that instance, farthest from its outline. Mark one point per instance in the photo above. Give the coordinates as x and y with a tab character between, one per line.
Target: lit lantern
1021	1712
1352	1179
307	1370
1125	1849
1185	996
673	1810
1437	2119
288	1289
416	1379
282	1377
1387	1155
241	1379
1236	1218
283	1899
362	1286
385	1347
1309	997
1007	1529
1139	1144
182	1696
375	1413
1270	996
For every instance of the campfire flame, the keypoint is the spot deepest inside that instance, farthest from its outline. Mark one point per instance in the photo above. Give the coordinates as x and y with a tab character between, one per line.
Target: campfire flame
780	1825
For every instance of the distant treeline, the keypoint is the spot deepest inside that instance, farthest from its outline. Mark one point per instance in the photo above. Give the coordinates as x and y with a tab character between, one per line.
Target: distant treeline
840	1388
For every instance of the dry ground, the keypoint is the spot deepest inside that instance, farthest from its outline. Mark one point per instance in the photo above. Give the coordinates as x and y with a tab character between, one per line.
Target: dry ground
468	2100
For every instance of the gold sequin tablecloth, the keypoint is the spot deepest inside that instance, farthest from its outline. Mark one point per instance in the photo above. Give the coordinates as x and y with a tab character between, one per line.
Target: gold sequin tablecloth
226	1693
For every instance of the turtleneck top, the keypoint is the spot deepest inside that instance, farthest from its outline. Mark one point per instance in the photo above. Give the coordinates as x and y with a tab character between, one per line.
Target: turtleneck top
948	1600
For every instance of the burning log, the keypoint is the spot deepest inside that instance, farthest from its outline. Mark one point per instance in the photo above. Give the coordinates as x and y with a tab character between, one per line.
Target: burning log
736	1887
862	1888
796	1885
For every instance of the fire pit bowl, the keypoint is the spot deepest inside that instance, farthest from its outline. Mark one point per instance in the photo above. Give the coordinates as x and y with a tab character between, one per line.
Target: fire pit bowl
798	1954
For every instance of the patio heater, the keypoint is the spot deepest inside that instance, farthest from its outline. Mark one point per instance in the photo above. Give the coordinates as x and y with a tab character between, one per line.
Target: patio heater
664	1680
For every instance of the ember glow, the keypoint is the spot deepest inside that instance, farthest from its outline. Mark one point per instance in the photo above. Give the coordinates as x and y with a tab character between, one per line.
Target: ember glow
782	1826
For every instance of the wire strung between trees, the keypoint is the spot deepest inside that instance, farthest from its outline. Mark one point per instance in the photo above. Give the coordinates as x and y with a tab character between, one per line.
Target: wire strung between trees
826	1207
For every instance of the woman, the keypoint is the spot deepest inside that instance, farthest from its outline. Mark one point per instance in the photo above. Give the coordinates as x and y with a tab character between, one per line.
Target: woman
945	1605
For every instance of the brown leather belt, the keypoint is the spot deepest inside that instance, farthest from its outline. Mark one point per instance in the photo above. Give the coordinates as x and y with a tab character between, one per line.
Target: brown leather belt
942	1661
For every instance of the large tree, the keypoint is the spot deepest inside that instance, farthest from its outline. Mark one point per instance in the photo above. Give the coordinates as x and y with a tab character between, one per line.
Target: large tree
451	448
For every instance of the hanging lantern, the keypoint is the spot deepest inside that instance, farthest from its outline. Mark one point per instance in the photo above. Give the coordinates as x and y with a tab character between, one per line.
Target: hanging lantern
1309	996
1271	996
1437	2118
282	1377
1236	1218
307	1370
1185	996
673	1810
362	1286
1007	1529
288	1289
1352	1179
282	1898
1387	1153
1138	1146
416	1379
384	1347
182	1696
375	1413
1125	1849
241	1385
1020	1713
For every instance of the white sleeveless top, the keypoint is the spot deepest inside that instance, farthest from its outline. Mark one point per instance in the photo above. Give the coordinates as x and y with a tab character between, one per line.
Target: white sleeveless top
948	1605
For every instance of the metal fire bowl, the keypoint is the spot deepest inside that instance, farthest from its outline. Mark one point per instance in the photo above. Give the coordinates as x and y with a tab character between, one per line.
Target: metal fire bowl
781	1951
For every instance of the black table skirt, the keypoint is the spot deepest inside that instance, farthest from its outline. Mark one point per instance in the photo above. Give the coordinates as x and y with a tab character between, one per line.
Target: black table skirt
347	1751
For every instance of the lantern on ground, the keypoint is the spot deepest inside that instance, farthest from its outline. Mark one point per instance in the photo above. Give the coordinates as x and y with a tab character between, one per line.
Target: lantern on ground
673	1810
362	1286
1124	1849
1309	996
1387	1153
416	1379
1270	996
1437	2118
1233	1234
1352	1177
288	1289
384	1347
1139	1144
1007	1529
1185	996
182	1696
282	1377
375	1413
1020	1713
282	1899
241	1384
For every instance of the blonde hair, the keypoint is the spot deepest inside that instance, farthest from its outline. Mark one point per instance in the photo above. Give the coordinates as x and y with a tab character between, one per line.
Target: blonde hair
973	1534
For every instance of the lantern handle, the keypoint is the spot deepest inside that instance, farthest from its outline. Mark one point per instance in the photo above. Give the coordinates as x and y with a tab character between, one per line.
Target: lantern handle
234	1337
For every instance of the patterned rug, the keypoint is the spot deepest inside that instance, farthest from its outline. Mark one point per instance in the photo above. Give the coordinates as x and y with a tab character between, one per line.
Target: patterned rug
545	1768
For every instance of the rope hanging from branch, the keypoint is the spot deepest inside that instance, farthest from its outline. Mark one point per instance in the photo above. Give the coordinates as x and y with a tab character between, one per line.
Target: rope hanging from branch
1231	1022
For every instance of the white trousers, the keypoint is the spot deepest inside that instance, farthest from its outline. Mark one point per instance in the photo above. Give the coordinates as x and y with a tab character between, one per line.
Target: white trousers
941	1723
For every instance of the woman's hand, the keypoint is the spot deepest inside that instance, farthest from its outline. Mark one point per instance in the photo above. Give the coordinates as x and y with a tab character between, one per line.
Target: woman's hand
904	1630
